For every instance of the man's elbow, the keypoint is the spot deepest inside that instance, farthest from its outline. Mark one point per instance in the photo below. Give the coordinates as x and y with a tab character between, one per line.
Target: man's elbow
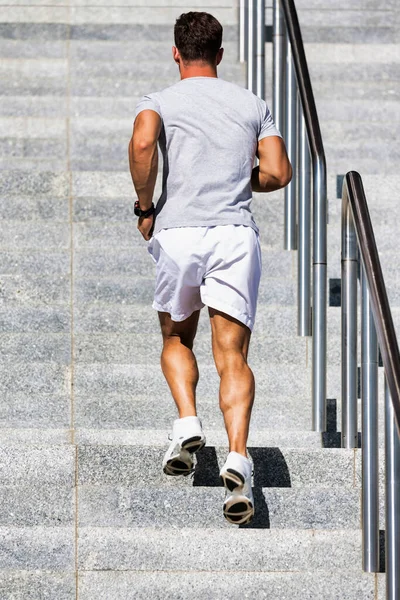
141	145
285	175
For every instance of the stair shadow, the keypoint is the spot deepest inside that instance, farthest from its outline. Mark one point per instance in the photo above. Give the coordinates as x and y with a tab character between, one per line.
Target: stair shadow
270	470
332	438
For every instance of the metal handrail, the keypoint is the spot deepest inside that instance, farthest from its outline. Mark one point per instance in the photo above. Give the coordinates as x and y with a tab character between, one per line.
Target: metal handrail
377	325
306	122
296	117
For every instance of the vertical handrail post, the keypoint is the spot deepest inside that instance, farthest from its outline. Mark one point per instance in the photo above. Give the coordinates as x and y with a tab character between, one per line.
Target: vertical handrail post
260	49
279	59
243	30
304	241
319	292
392	462
369	444
290	135
349	327
251	45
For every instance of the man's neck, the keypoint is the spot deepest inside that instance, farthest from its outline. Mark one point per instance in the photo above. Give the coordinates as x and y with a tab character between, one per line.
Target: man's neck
197	71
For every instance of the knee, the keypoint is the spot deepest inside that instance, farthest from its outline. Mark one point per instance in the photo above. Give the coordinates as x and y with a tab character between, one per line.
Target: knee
229	361
175	340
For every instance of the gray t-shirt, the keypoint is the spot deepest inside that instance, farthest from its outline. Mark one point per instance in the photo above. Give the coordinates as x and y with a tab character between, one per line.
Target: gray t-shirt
208	140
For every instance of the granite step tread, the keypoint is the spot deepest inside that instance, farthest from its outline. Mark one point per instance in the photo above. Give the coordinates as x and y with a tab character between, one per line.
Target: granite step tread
129	585
140	466
151	549
200	507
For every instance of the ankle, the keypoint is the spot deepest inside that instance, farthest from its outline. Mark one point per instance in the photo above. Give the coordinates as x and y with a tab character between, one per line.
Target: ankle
190	412
239	450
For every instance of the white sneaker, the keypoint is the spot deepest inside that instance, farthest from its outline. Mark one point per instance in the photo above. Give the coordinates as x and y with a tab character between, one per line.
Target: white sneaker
236	477
187	438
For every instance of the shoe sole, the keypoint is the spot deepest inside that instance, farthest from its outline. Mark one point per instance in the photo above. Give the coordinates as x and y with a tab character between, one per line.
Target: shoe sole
232	480
238	510
182	463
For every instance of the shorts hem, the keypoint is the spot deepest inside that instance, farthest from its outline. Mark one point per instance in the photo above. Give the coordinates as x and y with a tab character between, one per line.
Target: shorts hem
176	317
229	310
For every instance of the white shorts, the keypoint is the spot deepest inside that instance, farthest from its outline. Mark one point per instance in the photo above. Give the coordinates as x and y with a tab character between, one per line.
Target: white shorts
218	266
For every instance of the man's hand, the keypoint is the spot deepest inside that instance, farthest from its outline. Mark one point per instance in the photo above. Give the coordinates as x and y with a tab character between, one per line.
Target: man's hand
146	226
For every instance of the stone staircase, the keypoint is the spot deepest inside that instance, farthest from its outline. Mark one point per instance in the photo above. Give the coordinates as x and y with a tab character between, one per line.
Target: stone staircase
84	412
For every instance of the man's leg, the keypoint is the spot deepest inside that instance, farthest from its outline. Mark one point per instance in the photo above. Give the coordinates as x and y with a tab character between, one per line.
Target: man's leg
230	344
178	362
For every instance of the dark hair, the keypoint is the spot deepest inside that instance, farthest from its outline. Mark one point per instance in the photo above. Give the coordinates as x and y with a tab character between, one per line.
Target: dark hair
198	36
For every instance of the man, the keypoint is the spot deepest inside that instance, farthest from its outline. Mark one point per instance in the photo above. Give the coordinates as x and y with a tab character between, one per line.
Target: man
203	237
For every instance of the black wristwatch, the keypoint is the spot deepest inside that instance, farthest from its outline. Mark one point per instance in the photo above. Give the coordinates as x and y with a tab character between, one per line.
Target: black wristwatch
143	213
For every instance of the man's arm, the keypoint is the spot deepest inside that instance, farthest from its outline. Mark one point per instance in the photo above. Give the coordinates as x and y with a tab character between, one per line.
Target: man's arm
143	155
274	170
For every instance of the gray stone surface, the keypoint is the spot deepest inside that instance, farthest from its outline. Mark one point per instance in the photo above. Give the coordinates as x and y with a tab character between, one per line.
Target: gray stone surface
30	48
24	235
35	263
35	378
33	106
34	347
312	585
274	550
33	31
273	467
42	436
133	379
26	466
37	585
25	290
134	348
34	208
139	32
31	548
215	437
82	50
43	183
201	507
124	411
34	505
142	318
35	409
45	319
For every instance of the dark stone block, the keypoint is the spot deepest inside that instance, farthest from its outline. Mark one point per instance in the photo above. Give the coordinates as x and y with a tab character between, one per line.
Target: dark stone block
335	291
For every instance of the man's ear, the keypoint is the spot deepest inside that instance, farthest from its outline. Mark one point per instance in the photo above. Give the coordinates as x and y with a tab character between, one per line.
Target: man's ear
220	55
175	55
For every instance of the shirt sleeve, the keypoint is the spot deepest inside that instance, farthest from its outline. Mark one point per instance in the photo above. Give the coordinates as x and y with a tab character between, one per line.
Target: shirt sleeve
148	102
268	127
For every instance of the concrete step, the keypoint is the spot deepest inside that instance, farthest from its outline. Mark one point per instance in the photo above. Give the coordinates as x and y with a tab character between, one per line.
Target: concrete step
214	586
201	507
286	438
135	348
88	21
117	348
140	466
251	550
124	411
134	379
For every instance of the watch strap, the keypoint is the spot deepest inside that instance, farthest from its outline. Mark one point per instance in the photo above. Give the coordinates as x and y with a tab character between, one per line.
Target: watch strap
144	213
